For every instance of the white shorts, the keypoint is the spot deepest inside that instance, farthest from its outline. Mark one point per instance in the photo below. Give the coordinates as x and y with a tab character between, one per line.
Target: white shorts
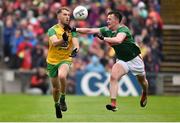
136	66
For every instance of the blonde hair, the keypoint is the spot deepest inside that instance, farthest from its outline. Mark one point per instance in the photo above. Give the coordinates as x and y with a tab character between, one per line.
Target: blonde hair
62	8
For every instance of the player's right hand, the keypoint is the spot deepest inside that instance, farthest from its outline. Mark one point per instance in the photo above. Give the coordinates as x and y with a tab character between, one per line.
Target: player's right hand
74	52
99	36
73	29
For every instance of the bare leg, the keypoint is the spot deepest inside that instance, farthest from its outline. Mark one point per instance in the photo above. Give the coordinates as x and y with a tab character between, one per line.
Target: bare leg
117	72
144	84
56	92
56	88
62	74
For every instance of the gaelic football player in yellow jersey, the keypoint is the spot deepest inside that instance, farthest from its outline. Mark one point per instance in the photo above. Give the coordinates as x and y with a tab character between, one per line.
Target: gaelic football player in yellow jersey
61	44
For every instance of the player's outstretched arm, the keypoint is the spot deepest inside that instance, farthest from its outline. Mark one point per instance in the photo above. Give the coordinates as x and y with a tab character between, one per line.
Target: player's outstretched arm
116	40
113	40
88	30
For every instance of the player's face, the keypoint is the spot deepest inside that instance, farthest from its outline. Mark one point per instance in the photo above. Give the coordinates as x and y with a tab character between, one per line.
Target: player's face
112	21
64	17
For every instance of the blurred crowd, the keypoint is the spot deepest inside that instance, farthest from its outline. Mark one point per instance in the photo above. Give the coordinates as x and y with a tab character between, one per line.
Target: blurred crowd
24	25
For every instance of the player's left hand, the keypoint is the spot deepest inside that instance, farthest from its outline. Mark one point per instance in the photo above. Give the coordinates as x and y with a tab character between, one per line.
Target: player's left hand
99	36
74	52
69	28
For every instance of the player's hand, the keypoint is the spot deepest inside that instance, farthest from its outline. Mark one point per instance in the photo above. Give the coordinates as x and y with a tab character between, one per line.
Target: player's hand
69	28
65	37
99	36
73	29
74	52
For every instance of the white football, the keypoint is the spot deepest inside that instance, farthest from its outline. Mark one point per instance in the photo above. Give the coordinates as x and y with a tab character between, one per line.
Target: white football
80	13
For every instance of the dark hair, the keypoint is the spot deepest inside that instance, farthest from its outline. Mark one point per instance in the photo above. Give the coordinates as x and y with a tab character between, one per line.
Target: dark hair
117	14
62	8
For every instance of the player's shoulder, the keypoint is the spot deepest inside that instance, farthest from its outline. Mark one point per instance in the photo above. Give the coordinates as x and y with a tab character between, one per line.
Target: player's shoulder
52	30
104	29
53	27
123	29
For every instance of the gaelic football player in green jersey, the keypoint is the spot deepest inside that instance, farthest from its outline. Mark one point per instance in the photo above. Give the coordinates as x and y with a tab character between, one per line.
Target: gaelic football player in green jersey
128	56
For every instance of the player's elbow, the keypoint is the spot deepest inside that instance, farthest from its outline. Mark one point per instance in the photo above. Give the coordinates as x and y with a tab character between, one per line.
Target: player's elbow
118	41
55	44
120	37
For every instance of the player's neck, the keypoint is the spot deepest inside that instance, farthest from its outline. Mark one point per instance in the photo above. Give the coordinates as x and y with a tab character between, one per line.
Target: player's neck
121	25
116	27
60	24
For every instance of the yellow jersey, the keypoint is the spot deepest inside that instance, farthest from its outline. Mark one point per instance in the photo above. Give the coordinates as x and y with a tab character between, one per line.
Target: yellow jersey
57	54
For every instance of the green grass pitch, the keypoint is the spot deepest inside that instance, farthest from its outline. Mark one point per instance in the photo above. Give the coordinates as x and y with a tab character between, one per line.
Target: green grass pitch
22	108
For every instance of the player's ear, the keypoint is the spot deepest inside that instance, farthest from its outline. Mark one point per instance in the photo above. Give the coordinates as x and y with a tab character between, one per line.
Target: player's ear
58	16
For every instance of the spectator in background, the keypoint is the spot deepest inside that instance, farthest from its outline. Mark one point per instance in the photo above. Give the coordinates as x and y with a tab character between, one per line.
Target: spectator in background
143	47
24	53
93	16
17	39
142	10
9	29
39	81
37	56
145	36
30	33
155	51
152	67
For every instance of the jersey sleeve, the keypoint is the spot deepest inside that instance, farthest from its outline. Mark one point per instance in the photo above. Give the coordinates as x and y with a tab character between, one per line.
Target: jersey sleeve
51	32
74	34
103	31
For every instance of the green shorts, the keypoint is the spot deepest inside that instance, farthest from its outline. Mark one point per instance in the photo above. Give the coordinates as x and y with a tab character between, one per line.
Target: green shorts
52	70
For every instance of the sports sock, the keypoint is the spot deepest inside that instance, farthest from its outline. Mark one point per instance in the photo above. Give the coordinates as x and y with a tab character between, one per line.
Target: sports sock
113	102
144	93
62	97
56	103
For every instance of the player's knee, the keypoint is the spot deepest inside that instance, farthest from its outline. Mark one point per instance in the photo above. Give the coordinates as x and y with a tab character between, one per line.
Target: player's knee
114	78
62	77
